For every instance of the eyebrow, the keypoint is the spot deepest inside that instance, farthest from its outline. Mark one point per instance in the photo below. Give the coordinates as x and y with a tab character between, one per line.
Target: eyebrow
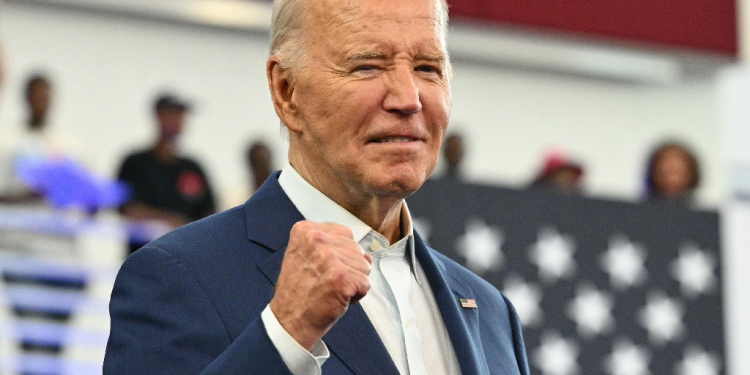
366	55
434	57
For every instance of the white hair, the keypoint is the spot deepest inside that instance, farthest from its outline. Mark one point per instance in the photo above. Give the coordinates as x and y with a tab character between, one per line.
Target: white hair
289	41
287	37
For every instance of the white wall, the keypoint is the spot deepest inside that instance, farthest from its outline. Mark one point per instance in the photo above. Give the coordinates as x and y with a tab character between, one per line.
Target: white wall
106	71
512	118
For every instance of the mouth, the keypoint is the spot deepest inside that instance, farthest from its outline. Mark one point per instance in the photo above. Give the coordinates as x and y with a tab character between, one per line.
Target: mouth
394	140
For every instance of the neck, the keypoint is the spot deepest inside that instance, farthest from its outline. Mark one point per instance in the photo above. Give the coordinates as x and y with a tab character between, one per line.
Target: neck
36	122
164	151
383	217
381	213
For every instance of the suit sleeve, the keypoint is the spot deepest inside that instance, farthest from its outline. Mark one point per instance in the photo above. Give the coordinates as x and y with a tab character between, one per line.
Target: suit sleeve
163	322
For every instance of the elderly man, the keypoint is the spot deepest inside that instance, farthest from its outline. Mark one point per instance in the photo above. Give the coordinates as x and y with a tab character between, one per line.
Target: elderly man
320	271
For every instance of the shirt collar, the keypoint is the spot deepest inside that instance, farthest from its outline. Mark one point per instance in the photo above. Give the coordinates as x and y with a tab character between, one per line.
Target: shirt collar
316	206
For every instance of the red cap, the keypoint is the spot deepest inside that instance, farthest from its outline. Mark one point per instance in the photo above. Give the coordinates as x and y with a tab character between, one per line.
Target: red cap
556	160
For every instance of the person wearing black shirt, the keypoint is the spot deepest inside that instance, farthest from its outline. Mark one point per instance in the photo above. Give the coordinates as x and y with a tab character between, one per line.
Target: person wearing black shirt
165	186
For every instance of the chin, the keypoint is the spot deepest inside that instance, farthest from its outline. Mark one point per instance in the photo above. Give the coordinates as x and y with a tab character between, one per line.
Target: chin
401	184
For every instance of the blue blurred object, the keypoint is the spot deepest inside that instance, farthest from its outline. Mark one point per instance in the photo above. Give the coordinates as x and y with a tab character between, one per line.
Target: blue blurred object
65	183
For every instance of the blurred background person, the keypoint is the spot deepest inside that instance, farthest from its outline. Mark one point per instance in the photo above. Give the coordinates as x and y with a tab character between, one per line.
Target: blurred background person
672	173
259	161
559	174
165	186
258	158
34	141
453	151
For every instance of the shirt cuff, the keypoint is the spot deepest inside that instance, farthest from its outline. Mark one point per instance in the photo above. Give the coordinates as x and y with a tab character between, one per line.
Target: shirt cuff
297	359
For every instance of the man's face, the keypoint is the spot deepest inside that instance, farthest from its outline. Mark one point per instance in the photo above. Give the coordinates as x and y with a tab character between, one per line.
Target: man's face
373	99
40	96
170	123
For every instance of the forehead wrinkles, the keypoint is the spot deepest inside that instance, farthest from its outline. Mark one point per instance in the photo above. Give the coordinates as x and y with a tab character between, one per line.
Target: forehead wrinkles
333	14
356	43
342	18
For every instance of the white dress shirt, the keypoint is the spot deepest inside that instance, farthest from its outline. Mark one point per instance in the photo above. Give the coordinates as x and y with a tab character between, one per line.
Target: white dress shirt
400	303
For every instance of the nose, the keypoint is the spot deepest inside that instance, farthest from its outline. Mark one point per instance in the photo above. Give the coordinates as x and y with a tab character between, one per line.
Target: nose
403	93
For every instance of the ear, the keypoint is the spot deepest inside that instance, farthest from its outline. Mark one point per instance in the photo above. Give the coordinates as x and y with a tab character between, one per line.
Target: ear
282	93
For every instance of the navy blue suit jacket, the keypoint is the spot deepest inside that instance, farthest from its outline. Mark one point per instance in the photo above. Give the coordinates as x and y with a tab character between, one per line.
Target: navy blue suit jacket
190	303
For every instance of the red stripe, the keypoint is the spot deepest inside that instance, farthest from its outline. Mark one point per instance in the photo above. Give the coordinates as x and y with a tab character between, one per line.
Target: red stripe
696	24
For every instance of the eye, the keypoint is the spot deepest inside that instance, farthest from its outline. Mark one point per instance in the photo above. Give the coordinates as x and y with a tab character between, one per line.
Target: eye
365	68
427	69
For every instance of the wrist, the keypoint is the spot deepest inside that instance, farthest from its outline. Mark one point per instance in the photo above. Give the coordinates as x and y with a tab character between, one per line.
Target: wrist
295	326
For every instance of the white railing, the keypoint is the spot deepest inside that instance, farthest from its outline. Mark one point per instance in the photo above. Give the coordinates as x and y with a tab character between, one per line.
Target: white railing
56	275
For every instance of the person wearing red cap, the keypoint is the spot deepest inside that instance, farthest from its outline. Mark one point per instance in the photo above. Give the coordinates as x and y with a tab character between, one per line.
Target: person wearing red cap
559	174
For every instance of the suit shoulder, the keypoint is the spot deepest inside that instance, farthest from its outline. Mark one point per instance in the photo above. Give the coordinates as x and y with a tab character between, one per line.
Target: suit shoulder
204	237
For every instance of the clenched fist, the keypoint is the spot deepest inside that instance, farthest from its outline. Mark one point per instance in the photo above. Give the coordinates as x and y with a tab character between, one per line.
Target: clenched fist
324	270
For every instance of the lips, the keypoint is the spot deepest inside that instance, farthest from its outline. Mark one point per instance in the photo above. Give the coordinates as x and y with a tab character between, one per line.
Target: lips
394	139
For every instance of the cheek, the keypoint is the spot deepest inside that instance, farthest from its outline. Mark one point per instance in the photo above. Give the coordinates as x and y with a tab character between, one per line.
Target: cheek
437	98
438	111
332	102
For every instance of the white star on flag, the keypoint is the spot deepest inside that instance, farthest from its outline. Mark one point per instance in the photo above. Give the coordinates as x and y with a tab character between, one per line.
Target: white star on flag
623	261
556	355
553	254
591	310
525	298
694	269
697	362
480	245
627	359
662	318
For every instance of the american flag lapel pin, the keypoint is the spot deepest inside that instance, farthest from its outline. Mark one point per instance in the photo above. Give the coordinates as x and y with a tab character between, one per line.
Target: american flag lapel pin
468	303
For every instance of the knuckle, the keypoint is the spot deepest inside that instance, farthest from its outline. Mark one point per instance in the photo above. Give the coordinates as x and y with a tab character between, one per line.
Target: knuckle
302	226
339	274
315	236
347	231
323	255
366	286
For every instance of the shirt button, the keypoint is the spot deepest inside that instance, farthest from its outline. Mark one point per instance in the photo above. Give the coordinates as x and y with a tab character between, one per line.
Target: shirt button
375	246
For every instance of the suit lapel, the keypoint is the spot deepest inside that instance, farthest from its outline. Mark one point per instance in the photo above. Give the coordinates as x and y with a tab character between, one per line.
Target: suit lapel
354	340
270	216
462	324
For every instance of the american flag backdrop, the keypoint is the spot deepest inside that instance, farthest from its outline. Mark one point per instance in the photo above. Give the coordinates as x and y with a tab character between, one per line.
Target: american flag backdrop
601	287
